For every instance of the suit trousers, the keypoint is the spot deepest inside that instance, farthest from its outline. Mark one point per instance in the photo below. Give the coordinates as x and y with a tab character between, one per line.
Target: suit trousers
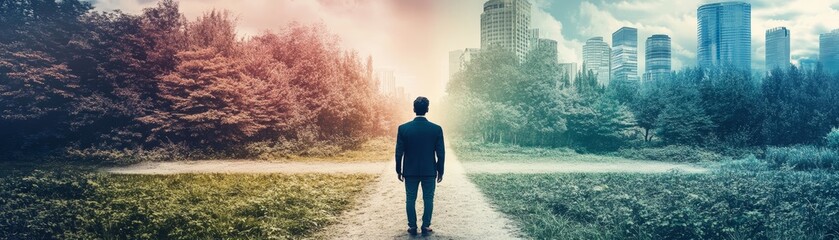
411	189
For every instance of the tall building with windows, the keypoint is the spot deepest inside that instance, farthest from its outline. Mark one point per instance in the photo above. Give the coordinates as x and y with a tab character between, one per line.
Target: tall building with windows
777	48
724	35
569	69
506	24
808	64
454	62
459	58
829	51
597	58
658	57
625	54
550	46
543	44
387	80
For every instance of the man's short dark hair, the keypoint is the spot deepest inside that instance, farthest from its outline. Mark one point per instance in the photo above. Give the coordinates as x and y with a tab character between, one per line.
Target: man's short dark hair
421	105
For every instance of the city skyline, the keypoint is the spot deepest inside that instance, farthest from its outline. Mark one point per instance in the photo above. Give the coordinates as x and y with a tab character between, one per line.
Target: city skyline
415	37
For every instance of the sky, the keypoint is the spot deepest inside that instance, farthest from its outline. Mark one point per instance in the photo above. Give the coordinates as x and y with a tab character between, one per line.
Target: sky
413	37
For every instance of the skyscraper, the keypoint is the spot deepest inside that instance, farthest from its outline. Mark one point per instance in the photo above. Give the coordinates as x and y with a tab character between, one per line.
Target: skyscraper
597	58
777	48
387	80
625	55
543	44
459	58
829	51
657	58
570	69
808	64
505	24
454	62
724	35
549	45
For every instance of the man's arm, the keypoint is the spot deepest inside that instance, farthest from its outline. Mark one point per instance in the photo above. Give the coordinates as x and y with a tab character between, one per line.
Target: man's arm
400	151
440	149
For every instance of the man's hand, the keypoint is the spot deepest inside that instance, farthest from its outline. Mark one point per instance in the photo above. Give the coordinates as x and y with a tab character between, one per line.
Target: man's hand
439	178
400	177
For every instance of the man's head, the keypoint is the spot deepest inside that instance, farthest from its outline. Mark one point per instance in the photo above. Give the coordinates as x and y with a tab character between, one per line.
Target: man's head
421	105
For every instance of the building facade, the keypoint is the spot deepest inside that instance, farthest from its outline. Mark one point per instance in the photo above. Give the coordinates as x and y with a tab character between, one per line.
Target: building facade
808	64
597	58
829	51
569	69
777	48
458	59
543	44
657	58
387	80
549	45
724	35
505	24
454	62
624	63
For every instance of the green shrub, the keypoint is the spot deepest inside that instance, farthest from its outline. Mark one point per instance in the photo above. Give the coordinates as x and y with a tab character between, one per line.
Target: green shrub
832	138
803	158
499	152
37	204
731	205
750	163
671	153
125	156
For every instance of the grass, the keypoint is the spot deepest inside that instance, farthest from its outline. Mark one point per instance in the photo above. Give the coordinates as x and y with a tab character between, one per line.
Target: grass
79	203
803	158
672	153
376	150
477	152
731	205
373	150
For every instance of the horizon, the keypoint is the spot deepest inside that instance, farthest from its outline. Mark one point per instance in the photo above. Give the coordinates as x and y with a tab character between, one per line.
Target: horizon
414	38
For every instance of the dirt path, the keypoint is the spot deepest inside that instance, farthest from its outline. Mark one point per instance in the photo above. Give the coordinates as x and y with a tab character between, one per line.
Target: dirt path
247	166
460	211
583	167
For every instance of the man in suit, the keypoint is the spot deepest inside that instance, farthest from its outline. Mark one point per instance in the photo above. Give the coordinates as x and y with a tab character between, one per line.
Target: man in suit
419	141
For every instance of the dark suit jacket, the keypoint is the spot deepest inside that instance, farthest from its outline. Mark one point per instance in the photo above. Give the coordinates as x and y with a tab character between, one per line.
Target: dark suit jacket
418	141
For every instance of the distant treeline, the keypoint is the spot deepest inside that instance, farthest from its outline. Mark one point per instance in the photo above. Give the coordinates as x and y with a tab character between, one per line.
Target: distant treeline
498	99
73	77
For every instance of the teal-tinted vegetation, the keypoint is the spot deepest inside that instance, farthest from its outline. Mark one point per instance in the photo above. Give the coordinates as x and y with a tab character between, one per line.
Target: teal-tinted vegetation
731	205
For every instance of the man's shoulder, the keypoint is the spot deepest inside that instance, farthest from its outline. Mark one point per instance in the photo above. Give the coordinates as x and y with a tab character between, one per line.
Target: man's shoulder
404	125
435	125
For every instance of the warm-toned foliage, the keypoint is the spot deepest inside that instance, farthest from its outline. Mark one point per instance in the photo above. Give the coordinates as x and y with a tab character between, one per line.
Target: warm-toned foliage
77	78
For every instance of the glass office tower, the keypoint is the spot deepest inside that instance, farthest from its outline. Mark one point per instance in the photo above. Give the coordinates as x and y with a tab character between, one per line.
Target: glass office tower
724	35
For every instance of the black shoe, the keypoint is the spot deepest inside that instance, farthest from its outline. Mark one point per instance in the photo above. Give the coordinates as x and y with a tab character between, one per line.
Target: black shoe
412	231
426	230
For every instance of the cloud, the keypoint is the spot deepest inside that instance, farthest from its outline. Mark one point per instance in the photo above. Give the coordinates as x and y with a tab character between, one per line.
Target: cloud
805	19
549	27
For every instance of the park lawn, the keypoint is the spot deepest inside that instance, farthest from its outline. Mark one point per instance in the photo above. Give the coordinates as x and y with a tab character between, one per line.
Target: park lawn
722	205
480	153
374	150
82	203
